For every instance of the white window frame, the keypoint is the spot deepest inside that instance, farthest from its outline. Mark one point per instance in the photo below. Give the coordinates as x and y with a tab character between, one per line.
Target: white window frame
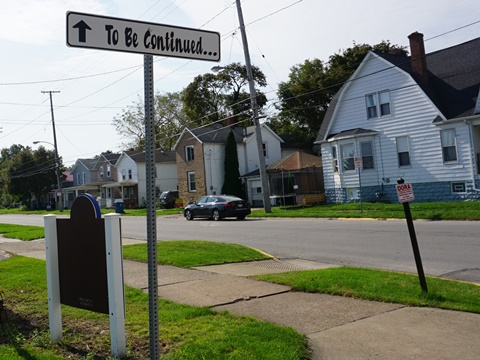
109	171
124	174
84	178
192	184
348	162
402	150
378	104
367	156
446	141
101	172
189	152
335	158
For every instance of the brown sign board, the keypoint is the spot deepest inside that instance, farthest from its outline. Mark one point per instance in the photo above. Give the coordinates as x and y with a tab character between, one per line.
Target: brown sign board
82	257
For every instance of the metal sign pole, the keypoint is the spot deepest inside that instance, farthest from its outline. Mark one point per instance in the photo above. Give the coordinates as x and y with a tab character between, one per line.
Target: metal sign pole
151	206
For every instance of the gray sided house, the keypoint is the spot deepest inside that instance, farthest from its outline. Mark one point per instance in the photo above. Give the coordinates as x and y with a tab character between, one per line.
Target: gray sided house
416	118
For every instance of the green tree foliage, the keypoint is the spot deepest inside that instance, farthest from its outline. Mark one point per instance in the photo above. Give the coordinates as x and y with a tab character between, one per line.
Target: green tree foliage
311	86
232	183
31	174
212	97
169	120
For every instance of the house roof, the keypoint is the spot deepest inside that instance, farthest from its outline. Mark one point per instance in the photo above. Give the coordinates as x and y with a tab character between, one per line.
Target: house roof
454	77
217	134
160	156
454	81
296	161
88	163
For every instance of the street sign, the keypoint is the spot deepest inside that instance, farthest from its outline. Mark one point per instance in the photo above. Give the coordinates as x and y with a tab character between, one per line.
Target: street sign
358	163
405	192
115	34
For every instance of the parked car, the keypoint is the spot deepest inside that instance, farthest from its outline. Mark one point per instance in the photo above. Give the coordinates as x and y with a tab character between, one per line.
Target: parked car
217	207
167	198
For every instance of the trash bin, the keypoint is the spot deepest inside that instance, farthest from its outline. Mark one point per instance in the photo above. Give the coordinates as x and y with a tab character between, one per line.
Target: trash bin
119	206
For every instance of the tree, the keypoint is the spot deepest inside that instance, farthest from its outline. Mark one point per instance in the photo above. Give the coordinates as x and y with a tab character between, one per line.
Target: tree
232	183
31	174
212	97
169	120
6	154
311	86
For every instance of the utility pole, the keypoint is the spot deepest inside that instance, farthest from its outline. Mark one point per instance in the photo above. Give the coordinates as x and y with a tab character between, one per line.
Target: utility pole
57	162
253	99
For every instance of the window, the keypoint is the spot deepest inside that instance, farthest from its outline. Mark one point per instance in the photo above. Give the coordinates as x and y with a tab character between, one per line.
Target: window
191	181
371	106
366	149
124	174
403	151
189	153
384	100
84	178
265	152
348	154
449	145
78	179
108	171
101	172
458	187
129	174
378	103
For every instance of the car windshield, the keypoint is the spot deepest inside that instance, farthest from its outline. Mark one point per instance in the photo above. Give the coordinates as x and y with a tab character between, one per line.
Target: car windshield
164	194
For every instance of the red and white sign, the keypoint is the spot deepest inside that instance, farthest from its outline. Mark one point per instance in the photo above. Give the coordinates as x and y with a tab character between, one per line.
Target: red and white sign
405	192
358	163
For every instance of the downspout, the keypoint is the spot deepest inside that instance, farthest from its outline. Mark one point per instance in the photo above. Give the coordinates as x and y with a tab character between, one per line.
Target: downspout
472	154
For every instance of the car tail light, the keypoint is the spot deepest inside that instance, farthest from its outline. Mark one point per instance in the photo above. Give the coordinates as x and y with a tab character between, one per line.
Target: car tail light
230	204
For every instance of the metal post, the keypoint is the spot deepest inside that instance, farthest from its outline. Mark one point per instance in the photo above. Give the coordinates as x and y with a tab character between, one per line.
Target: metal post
57	162
256	122
151	207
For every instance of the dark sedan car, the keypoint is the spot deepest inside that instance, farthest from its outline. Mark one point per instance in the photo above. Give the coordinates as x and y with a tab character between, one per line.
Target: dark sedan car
217	207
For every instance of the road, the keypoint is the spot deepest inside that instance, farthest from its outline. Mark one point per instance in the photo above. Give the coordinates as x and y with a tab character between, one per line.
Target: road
447	248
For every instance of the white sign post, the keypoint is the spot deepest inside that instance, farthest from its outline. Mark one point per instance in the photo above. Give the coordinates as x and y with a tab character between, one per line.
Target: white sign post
109	33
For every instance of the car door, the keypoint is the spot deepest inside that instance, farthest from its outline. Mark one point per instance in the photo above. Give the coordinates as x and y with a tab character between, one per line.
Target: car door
202	209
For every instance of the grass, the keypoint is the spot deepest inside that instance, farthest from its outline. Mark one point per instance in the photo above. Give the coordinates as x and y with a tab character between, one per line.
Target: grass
384	286
467	210
22	232
189	253
128	212
187	332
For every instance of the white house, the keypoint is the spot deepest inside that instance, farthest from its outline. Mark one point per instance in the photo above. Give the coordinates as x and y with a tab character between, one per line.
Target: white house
131	175
416	118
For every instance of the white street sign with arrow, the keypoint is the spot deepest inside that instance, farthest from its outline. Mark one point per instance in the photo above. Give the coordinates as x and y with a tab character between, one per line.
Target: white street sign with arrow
109	33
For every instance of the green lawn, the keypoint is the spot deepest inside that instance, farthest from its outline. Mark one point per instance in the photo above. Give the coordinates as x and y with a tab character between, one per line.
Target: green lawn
189	253
22	232
384	286
187	332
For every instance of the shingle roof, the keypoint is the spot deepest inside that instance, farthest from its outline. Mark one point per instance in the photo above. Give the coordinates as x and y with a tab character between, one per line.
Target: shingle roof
454	77
218	134
160	156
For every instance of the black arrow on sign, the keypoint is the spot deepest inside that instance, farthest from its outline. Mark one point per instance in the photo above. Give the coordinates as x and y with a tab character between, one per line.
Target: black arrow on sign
82	30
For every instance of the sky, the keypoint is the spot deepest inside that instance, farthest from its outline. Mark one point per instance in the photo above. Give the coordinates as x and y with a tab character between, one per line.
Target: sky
92	87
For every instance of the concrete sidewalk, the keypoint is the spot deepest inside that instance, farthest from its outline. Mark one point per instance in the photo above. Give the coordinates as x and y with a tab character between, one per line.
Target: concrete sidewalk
337	327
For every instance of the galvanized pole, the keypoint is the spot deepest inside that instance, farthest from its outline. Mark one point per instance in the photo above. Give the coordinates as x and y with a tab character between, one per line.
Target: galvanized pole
57	162
151	207
256	122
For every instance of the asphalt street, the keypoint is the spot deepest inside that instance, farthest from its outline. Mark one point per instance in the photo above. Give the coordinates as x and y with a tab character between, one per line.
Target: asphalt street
447	248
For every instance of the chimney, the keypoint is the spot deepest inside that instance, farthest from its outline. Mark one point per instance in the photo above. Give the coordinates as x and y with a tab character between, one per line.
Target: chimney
419	62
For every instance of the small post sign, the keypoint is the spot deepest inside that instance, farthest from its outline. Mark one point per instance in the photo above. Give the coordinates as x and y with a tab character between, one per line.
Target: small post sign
404	192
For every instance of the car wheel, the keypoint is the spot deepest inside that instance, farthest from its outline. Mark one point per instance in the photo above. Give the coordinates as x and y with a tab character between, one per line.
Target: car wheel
216	215
241	217
188	215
